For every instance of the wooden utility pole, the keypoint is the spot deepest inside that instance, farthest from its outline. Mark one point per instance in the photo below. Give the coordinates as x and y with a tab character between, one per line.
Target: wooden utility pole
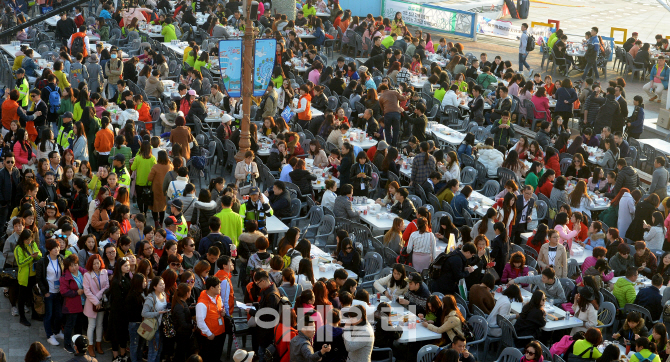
247	82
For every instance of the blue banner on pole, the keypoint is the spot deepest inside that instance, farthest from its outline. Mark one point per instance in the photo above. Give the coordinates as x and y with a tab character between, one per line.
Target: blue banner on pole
230	62
264	61
287	115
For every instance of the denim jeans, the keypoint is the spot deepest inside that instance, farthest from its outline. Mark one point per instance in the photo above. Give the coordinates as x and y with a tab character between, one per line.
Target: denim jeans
135	350
53	305
591	65
523	62
392	124
155	347
70	321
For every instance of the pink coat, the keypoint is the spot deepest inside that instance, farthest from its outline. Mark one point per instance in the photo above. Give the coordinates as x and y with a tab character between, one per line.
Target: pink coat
513	273
20	155
541	104
566	235
94	291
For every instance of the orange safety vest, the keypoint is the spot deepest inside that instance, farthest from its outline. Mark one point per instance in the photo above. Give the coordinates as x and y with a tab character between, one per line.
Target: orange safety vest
9	114
145	115
213	315
307	114
74	37
222	275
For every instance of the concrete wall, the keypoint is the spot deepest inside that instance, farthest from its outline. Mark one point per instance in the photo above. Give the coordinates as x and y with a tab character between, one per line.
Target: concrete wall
362	7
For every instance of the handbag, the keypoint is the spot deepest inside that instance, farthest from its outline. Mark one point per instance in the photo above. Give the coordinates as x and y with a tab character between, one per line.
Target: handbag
168	326
147	195
493	272
148	327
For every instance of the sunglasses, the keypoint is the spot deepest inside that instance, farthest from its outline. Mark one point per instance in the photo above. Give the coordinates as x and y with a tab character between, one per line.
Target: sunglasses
175	264
191	245
9	162
530	353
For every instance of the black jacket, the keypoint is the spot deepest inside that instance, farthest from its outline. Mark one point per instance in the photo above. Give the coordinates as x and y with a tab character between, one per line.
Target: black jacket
41	120
118	290
500	253
9	186
453	270
269	299
303	179
65	28
47	193
281	204
379	61
133	307
643	212
543	139
582	173
197	109
376	50
609	110
354	264
619	120
531	324
181	318
337	85
471	73
130	72
355	169
41	270
627	178
405	210
79	205
419	124
275	160
320	102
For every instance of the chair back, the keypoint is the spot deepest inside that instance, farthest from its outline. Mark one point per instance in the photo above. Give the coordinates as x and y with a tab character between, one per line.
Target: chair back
480	328
565	163
490	189
437	216
427	352
468	218
468	176
567	284
508	332
542	209
606	315
505	175
609	297
529	251
372	264
467	160
447	207
416	200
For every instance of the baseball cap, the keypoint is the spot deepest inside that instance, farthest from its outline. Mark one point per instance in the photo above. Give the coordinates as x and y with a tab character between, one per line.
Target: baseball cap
119	157
192	93
254	190
170	221
81	342
67	115
177	204
20	71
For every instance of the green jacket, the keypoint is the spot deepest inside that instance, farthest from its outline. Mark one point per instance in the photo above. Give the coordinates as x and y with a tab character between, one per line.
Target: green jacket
199	64
143	167
104	33
501	136
124	150
77	111
169	33
231	224
645	353
533	179
624	291
610	216
485	80
25	262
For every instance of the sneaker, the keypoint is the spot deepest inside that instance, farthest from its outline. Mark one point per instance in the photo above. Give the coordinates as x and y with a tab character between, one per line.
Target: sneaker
60	336
15	311
530	73
68	349
26	309
52	340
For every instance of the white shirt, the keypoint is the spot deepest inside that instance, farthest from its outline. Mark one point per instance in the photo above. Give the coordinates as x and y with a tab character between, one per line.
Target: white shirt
328	199
450	99
524	211
303	105
422	243
200	314
54	272
177	185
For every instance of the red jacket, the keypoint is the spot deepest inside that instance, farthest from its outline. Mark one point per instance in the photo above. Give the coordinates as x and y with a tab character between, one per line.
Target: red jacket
553	164
411	227
545	189
68	289
283	337
145	115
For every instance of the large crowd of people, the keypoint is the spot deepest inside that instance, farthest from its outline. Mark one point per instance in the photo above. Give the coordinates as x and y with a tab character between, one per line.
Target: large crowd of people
108	239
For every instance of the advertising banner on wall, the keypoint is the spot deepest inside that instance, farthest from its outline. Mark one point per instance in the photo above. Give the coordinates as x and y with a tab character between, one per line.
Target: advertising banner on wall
505	29
456	22
230	61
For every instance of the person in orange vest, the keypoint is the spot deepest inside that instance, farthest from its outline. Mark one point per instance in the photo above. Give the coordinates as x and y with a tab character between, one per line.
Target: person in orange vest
86	50
209	315
12	111
144	110
304	110
226	266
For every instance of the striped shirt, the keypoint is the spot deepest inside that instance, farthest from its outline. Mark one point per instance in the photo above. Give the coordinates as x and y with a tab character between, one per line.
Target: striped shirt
422	243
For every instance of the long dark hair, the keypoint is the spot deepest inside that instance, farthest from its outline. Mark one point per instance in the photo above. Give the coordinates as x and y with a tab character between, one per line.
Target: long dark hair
545	177
484	224
305	268
535	302
540	235
402	283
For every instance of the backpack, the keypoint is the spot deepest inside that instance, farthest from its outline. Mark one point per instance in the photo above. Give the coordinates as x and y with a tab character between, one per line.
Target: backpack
54	99
643	359
289	257
435	268
297	292
404	257
271	352
225	249
177	193
530	44
77	45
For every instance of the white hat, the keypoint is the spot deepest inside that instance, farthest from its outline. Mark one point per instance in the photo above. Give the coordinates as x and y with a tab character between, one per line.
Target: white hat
243	356
226	118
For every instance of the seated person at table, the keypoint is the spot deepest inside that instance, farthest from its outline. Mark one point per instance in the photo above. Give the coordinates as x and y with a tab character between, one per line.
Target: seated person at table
480	294
624	288
587	348
451	189
503	130
608	188
546	282
490	157
461	204
349	257
643	348
504	103
622	261
451	321
343	207
417	293
393	284
532	319
515	268
633	329
578	168
403	207
645	259
650	297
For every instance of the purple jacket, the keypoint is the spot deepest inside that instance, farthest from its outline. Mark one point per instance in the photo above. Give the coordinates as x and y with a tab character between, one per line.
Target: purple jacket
512	273
68	289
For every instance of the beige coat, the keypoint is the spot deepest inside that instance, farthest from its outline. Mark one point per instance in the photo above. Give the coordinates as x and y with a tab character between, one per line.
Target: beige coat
241	173
114	69
320	160
451	326
336	137
154	87
560	263
156	177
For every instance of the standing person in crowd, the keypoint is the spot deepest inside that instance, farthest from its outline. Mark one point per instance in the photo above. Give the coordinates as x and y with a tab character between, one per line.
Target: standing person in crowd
96	285
155	306
26	254
72	290
49	269
118	317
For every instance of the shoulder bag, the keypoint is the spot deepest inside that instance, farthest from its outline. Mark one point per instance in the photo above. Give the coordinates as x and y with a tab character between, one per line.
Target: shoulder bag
148	327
